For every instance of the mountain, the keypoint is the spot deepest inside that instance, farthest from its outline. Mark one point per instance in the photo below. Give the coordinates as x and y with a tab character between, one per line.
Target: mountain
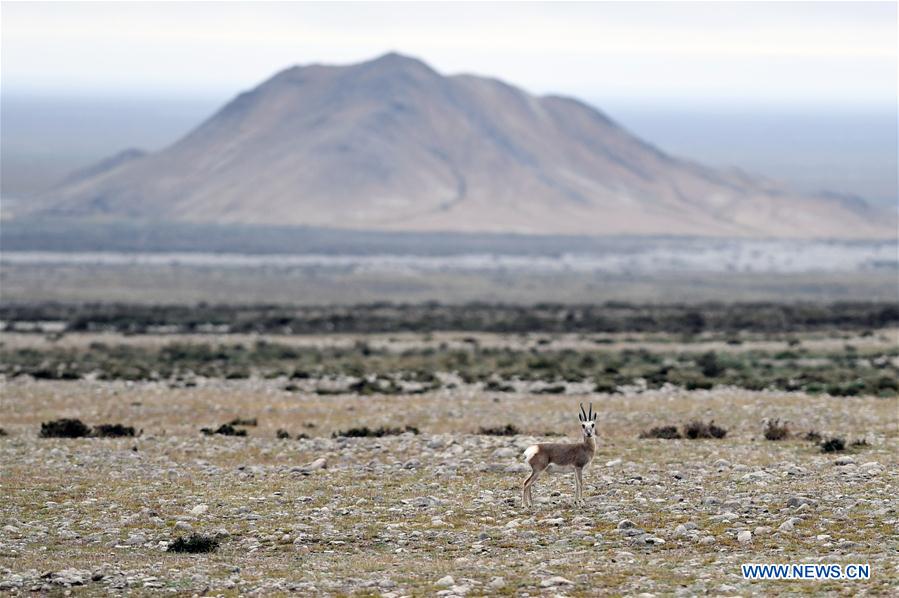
391	144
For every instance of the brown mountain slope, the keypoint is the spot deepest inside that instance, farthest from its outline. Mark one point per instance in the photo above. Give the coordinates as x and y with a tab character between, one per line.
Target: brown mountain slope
391	144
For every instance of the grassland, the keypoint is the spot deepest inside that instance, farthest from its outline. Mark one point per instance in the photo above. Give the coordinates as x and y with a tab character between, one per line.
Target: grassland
319	513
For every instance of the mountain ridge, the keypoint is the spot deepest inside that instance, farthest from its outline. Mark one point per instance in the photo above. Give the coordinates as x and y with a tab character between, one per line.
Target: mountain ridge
391	144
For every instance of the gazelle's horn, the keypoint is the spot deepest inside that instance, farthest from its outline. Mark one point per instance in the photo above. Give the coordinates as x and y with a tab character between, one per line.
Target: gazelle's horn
591	416
583	414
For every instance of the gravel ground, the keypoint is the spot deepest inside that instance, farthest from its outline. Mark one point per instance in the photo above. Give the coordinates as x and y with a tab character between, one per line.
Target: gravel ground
437	513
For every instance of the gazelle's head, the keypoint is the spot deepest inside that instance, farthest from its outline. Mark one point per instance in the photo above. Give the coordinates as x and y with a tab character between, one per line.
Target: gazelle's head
588	421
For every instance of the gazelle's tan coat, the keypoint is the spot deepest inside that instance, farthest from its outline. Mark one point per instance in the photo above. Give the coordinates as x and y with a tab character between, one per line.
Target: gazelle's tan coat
577	456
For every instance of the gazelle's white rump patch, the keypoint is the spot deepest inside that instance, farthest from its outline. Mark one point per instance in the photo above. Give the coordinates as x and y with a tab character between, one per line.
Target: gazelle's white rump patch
530	452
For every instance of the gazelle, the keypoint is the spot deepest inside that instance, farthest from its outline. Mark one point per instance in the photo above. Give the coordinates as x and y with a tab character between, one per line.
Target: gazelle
576	456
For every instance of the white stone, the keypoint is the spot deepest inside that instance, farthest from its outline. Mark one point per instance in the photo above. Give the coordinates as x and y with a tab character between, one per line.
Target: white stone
446	581
199	509
555	580
744	537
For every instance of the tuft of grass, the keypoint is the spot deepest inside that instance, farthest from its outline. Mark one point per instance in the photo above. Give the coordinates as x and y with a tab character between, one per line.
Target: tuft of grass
283	434
834	445
366	432
859	443
813	436
663	432
196	543
697	429
237	421
65	428
224	430
507	430
113	431
775	431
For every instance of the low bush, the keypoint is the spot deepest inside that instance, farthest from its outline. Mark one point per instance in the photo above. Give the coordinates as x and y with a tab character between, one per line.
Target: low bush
555	389
65	428
496	386
113	431
833	445
813	436
224	430
663	432
366	432
507	430
697	429
237	421
775	431
196	543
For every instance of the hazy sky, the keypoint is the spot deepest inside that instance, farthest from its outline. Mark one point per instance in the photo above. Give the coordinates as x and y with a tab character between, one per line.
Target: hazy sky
755	53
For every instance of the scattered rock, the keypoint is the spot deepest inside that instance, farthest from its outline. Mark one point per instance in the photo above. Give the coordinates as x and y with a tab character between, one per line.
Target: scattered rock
626	524
556	580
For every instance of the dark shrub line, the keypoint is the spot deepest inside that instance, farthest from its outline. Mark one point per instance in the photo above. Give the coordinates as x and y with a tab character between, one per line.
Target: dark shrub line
613	316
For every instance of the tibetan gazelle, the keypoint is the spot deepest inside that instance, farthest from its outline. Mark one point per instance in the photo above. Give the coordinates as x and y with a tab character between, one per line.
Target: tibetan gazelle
576	456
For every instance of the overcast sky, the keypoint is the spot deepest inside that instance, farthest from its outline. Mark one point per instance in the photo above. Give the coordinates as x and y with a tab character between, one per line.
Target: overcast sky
811	54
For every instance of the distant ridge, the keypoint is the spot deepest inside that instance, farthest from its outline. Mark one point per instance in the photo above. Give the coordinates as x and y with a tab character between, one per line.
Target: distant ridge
392	145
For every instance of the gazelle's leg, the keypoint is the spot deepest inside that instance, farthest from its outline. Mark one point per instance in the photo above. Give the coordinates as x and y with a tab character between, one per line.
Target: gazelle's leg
579	476
528	486
526	489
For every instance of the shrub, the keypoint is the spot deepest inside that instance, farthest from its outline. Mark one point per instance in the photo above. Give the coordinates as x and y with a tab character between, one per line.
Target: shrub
495	386
834	445
709	364
237	421
859	443
555	389
664	432
604	386
196	543
697	429
775	431
366	432
283	434
813	436
224	430
507	430
64	428
113	431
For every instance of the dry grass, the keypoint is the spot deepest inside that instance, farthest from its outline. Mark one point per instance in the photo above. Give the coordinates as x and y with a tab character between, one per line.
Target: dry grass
356	523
